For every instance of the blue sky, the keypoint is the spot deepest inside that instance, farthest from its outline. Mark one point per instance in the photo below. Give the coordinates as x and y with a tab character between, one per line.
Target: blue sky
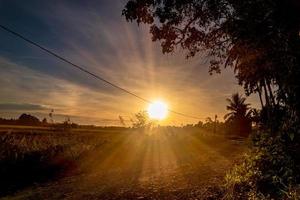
94	35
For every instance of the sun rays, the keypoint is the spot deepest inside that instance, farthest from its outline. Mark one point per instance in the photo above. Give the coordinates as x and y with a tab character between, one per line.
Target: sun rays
157	110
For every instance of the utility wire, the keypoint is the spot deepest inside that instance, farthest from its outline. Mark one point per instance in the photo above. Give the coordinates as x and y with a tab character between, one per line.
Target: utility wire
83	69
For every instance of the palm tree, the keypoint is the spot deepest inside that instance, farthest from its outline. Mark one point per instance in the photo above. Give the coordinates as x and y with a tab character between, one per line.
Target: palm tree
237	107
239	114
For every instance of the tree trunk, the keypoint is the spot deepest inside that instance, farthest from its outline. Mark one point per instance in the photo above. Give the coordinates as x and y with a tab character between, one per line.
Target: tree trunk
270	92
260	96
266	94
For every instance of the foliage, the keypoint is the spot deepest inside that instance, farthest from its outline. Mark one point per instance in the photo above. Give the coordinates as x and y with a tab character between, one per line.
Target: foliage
141	120
259	39
30	120
240	116
27	119
24	119
268	171
271	170
237	107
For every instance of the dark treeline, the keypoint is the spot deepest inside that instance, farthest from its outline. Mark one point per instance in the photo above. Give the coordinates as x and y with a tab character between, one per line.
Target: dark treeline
30	120
240	120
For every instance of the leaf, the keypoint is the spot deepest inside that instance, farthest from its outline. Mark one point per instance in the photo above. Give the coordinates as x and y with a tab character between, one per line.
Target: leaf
292	136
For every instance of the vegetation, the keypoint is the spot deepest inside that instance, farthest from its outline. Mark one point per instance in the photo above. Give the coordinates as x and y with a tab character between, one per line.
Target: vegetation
30	120
114	163
35	156
24	119
267	172
260	40
141	120
239	117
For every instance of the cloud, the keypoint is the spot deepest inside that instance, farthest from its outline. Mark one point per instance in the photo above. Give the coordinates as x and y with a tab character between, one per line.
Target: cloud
21	107
95	36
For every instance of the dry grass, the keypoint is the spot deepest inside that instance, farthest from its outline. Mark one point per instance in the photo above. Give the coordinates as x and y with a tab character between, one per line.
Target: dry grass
129	164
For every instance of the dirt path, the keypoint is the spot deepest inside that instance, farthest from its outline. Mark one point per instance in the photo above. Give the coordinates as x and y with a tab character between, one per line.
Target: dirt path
159	166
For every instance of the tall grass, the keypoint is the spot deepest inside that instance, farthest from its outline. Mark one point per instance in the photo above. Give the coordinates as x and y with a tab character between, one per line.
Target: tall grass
32	156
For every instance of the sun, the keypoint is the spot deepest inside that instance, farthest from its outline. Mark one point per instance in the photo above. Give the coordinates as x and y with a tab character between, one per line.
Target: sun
157	110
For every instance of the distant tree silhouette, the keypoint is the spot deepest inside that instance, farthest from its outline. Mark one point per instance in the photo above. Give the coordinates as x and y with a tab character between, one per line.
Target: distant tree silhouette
122	121
8	121
141	120
199	124
209	124
208	120
51	116
44	121
239	114
237	107
26	119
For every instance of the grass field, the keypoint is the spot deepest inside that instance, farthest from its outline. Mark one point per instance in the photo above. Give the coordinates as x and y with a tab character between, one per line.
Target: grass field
164	163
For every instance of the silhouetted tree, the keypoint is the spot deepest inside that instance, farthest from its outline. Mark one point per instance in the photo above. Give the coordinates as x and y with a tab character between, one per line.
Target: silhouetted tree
208	120
8	121
141	120
66	124
259	39
122	121
209	124
26	119
44	121
51	116
237	107
199	124
239	115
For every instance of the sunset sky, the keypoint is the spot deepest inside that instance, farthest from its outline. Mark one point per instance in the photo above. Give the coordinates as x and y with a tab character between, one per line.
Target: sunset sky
96	36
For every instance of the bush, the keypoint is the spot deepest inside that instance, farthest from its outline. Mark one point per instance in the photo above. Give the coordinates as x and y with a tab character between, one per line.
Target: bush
267	172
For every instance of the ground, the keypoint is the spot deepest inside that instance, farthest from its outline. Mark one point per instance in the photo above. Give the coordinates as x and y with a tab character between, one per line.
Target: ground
152	165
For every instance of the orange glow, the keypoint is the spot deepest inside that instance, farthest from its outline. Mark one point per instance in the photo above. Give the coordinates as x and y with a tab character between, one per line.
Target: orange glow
158	110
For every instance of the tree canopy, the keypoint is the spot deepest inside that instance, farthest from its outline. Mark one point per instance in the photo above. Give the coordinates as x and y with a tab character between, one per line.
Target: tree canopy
141	120
259	39
237	108
239	116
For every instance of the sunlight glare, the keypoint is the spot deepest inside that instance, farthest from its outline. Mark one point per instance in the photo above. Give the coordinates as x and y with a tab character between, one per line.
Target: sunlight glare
157	110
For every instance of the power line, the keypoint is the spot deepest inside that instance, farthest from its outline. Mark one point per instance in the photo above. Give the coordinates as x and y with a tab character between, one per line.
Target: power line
83	69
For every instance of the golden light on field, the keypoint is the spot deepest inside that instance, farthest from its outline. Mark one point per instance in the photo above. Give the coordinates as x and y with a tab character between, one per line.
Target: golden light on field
158	110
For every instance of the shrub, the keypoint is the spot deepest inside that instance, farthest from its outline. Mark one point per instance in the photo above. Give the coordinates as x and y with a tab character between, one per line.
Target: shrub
267	172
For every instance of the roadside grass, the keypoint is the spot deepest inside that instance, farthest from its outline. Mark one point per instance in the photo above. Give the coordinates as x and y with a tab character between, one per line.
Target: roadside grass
31	156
